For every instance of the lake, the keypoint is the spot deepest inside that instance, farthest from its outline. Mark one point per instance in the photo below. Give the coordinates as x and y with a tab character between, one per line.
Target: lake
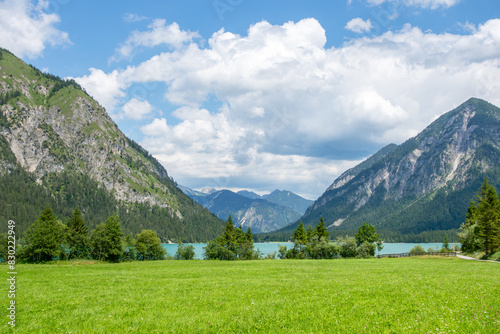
269	247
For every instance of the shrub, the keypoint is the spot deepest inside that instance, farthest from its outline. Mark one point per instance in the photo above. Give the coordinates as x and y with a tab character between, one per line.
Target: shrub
366	250
184	252
417	250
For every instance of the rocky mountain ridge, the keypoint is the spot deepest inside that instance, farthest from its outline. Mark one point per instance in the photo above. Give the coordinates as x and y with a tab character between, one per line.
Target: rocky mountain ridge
426	183
248	209
49	125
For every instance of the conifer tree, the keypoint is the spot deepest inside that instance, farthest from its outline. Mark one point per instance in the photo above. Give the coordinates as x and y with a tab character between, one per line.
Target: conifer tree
488	217
320	229
299	237
77	236
44	238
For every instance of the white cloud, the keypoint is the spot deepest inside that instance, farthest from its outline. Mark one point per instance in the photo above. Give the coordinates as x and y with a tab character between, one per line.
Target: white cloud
108	89
132	18
26	29
432	4
136	109
358	25
160	33
289	104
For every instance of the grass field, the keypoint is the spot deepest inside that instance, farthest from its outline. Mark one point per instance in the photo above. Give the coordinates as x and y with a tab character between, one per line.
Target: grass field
407	295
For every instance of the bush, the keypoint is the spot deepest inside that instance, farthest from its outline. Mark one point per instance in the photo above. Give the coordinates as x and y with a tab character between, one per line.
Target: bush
184	252
417	250
347	247
320	248
366	250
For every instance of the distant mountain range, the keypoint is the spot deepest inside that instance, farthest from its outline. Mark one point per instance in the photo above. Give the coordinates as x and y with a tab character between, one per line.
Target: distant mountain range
424	184
59	147
248	209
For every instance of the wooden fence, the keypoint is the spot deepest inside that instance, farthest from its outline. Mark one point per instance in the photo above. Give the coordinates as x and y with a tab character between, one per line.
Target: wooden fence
426	253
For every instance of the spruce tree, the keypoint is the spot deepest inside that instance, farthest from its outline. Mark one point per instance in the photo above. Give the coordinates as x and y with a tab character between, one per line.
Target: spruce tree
77	236
44	238
320	229
488	217
299	237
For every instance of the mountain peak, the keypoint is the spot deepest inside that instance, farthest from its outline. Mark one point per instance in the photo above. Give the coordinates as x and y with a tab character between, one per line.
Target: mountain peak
49	125
426	183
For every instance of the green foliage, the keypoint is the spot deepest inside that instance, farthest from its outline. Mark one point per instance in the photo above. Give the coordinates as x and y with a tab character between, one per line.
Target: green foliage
319	248
417	250
347	247
77	236
11	95
232	244
320	230
366	233
6	153
106	240
129	252
481	228
43	239
299	237
365	250
184	252
22	199
149	247
488	217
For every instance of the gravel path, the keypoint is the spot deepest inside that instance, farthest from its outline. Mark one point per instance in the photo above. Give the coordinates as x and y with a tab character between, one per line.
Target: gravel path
471	258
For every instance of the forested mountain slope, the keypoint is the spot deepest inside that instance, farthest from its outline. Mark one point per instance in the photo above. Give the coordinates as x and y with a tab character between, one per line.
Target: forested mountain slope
424	184
58	142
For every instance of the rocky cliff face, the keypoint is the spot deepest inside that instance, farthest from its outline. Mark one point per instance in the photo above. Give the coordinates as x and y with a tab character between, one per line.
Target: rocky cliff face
426	183
51	125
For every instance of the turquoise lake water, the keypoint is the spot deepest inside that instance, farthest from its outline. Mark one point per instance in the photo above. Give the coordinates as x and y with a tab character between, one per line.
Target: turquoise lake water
270	247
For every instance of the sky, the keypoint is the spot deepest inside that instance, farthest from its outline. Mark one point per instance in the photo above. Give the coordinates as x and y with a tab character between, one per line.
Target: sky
262	94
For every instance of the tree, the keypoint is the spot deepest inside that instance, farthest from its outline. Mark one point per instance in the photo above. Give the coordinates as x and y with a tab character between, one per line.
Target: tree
184	252
299	237
488	217
347	246
446	244
77	236
129	252
366	233
232	244
44	238
106	240
320	229
469	231
149	247
417	250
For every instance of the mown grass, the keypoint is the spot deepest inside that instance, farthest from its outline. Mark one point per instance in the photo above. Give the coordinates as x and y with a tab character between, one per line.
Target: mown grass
408	295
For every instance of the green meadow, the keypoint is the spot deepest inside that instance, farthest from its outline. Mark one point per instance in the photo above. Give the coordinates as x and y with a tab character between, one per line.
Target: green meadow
407	295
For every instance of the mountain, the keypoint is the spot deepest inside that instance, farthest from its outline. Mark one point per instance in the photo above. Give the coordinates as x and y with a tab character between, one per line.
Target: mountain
288	199
249	194
259	214
59	143
424	184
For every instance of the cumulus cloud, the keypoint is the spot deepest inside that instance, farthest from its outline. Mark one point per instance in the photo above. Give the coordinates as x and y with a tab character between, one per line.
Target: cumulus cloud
358	25
107	88
136	109
291	109
26	29
159	34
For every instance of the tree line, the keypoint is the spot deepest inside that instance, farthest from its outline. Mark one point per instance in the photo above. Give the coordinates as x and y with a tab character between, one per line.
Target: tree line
480	232
49	239
313	243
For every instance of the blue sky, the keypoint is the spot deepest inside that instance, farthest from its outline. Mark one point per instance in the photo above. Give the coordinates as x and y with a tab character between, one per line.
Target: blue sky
261	95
